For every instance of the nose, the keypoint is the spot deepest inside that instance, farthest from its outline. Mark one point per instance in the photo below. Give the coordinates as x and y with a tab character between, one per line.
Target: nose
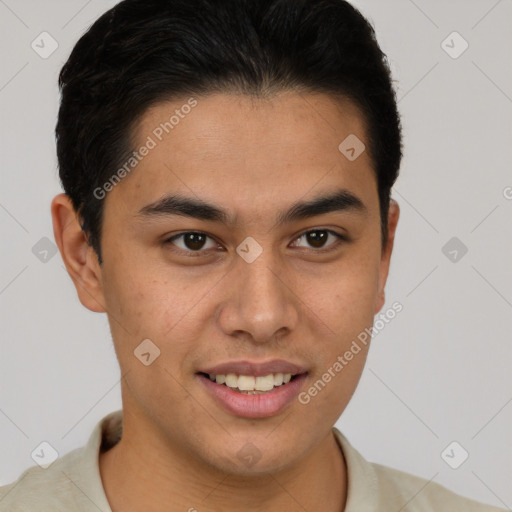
259	304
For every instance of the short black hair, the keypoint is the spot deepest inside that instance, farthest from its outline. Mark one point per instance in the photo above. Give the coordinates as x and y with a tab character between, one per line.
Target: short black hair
142	52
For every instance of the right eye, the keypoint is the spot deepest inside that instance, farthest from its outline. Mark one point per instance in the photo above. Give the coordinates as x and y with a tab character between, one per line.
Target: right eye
190	242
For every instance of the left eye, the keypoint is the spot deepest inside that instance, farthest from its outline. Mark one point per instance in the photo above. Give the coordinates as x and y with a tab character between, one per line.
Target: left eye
318	237
194	241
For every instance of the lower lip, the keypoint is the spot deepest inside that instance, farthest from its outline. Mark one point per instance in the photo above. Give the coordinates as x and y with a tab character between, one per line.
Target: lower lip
254	406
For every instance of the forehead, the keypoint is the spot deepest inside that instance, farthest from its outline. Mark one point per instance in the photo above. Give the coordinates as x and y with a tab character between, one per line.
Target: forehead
282	120
239	150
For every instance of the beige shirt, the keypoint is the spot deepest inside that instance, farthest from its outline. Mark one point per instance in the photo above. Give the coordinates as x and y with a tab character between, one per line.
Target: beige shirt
73	483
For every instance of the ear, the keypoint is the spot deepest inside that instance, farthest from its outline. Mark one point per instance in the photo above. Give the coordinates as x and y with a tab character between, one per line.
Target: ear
79	257
393	215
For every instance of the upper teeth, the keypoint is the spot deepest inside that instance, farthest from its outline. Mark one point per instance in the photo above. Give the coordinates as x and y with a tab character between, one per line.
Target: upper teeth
250	383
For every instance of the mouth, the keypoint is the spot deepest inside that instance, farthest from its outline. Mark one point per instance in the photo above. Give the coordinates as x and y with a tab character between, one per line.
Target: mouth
253	396
249	384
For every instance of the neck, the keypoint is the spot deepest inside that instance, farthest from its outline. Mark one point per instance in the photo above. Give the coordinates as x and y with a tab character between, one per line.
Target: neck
146	476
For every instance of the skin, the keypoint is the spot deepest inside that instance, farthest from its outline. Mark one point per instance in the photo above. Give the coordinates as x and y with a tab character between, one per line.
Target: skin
253	157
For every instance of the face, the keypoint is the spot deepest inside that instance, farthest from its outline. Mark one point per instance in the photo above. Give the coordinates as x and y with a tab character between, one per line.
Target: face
248	282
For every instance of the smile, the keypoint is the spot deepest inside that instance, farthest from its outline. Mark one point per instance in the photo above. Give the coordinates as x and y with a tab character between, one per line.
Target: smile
249	396
249	384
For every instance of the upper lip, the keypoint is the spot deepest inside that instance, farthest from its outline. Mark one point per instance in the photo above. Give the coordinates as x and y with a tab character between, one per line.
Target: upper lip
256	369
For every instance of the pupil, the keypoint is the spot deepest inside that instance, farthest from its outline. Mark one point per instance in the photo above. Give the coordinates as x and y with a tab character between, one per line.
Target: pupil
315	239
194	240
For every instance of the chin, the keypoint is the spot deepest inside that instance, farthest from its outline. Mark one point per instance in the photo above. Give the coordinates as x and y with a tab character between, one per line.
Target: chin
246	459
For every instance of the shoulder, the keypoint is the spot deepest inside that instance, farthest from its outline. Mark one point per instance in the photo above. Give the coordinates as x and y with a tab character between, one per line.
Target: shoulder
373	486
71	483
37	489
422	495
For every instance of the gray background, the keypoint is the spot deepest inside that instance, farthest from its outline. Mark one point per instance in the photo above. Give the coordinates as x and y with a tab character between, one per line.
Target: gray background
439	372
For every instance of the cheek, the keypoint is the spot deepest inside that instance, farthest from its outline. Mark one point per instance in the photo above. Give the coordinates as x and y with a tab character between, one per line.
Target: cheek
331	391
345	315
344	299
166	309
147	300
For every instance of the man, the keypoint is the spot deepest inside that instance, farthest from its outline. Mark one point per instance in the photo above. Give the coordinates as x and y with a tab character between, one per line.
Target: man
227	168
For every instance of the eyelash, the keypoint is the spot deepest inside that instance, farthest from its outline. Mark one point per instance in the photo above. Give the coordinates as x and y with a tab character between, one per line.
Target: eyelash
190	253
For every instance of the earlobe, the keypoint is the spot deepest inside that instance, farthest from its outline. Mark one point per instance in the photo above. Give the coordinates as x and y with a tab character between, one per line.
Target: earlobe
381	299
79	258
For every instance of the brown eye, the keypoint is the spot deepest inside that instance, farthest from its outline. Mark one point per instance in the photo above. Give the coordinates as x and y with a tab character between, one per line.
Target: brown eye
317	238
192	241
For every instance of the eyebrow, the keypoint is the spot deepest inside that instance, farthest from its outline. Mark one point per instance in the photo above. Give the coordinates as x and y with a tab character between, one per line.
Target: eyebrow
341	200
